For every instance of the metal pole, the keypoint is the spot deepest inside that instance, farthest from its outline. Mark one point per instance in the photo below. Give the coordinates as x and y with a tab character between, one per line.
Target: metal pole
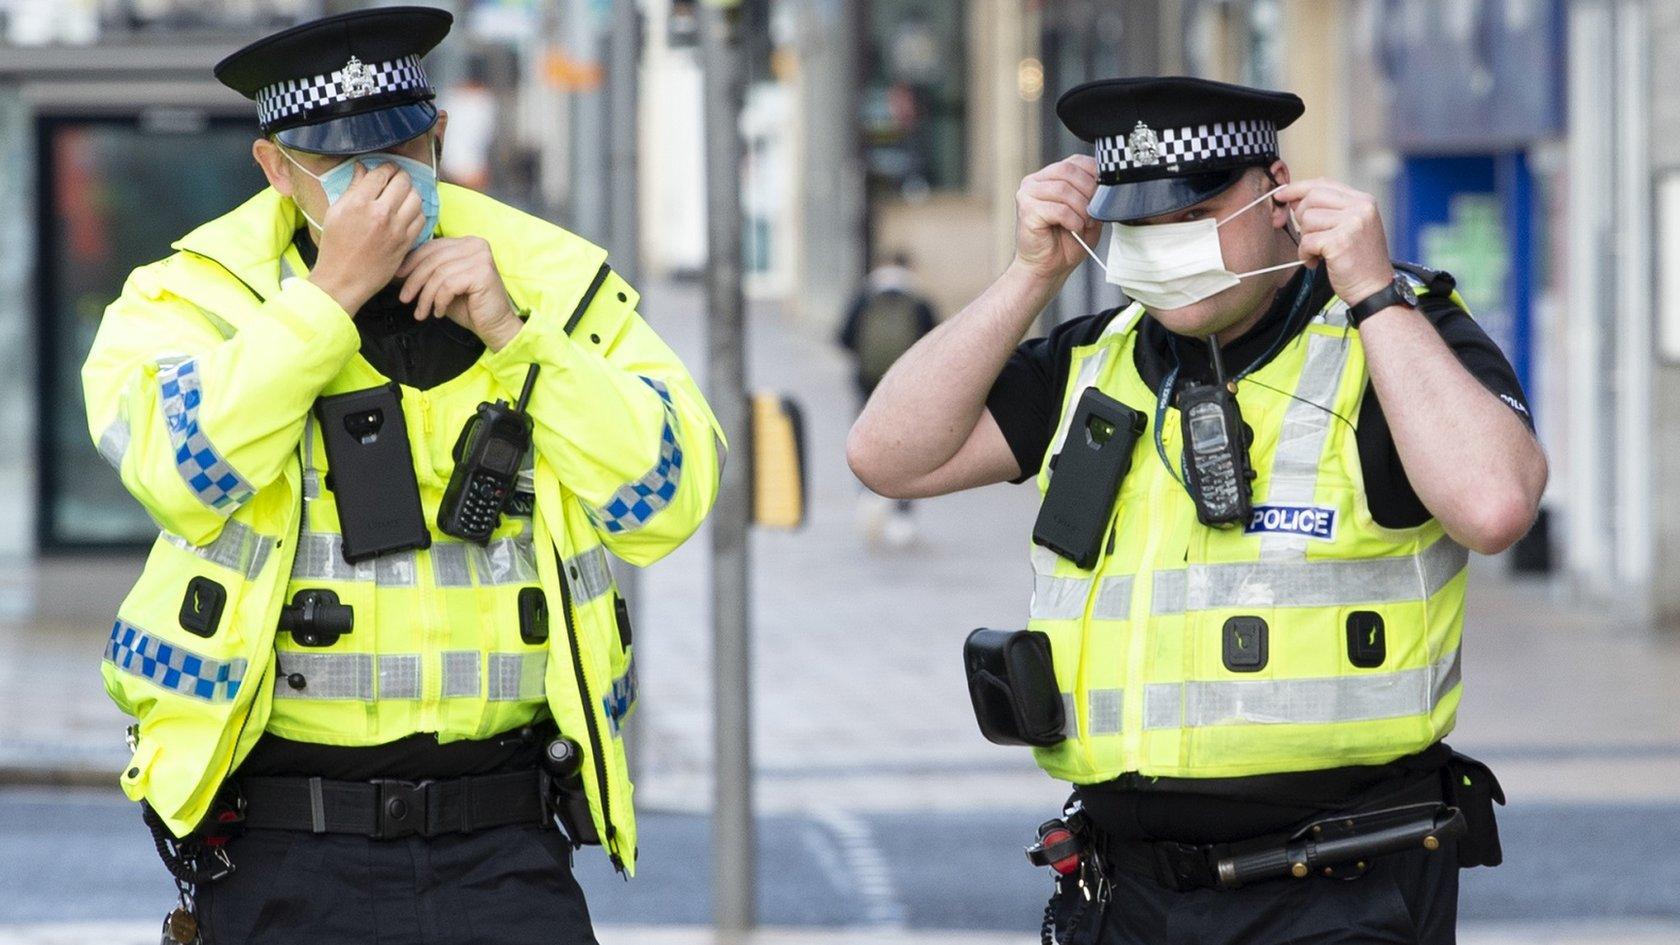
624	56
733	842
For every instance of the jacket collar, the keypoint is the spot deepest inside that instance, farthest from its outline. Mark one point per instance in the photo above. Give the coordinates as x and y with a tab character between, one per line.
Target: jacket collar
536	259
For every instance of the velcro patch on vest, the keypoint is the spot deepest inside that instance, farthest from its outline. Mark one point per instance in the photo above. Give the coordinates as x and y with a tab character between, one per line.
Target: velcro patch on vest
1310	520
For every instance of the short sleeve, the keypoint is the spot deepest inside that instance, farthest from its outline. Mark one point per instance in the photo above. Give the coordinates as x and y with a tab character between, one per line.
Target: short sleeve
1393	501
1026	398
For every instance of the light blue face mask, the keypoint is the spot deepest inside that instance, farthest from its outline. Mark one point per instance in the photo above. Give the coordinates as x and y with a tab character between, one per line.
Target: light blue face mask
337	180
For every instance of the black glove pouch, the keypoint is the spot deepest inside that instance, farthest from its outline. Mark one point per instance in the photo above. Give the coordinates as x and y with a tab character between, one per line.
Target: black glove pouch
1471	787
1012	683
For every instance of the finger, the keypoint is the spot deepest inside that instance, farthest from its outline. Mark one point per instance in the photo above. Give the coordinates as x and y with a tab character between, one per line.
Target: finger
1067	170
1084	184
1044	215
1079	167
436	284
1059	191
414	259
373	181
410	211
1314	219
1312	248
425	268
397	188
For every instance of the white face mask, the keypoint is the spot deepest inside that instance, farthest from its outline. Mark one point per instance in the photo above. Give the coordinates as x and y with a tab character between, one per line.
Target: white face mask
1171	265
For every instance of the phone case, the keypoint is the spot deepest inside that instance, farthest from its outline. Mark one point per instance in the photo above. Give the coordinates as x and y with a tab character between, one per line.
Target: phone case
1085	478
371	472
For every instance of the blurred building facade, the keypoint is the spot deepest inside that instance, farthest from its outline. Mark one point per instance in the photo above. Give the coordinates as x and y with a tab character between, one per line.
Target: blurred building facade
1517	143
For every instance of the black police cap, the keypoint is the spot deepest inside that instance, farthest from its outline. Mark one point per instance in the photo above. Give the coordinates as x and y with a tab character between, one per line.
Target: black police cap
1164	143
344	84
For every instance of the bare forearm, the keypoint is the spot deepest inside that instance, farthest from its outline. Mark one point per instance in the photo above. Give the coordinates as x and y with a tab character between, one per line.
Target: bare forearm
1473	462
927	406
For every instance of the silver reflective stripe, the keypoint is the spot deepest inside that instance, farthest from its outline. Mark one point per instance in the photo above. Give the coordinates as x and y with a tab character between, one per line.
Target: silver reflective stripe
1089	369
324	675
399	676
1070	716
460	673
588	575
1063	598
1163	705
511	560
1306	425
320	557
286	270
449	565
1335	314
517	677
1104	705
311	475
1114	598
237	547
395	570
1335	583
1167	598
1361	697
1059	598
113	443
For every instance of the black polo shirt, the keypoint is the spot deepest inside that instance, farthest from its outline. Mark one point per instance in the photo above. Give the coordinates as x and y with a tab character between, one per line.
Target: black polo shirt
1026	399
1026	402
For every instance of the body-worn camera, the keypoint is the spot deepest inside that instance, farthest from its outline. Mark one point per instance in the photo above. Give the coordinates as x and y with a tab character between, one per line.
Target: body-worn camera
487	456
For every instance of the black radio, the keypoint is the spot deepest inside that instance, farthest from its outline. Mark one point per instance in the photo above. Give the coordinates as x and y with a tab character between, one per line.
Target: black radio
487	457
1216	469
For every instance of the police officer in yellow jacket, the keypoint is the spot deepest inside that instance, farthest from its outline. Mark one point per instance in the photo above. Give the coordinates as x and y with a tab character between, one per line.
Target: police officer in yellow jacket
1261	478
380	749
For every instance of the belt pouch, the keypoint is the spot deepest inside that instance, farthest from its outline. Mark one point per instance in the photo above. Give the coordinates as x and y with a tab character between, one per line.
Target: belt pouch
1471	787
1012	683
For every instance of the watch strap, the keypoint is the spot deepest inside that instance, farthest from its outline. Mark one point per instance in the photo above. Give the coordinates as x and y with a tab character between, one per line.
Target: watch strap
1385	297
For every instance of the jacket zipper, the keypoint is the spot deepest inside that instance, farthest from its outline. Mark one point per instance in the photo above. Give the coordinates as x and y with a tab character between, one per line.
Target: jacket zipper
597	752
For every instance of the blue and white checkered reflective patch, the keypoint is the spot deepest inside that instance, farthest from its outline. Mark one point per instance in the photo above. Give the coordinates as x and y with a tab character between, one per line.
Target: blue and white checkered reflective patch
636	502
171	666
1309	520
619	701
209	476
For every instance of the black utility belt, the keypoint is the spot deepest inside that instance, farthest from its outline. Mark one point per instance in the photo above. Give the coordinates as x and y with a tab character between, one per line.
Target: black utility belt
389	809
1454	812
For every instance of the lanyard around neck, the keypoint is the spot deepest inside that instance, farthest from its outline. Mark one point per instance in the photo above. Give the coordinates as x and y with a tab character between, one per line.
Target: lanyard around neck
1163	398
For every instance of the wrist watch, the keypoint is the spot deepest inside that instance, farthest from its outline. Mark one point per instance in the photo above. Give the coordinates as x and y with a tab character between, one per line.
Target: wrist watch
1398	292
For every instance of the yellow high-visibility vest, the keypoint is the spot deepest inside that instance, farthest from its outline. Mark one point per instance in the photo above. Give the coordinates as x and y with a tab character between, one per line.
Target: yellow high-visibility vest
199	390
1308	638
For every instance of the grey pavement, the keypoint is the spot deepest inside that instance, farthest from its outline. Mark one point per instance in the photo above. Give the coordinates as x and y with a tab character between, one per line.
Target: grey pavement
866	751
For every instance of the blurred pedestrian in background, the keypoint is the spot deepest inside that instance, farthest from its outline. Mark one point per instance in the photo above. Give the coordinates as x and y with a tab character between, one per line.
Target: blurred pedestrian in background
1259	481
887	317
377	654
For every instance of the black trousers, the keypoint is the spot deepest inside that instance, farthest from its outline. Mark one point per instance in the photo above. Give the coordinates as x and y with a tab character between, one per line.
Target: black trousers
1404	899
503	886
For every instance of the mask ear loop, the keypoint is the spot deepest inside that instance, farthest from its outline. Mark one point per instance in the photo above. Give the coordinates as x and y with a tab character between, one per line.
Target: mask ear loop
295	163
1089	251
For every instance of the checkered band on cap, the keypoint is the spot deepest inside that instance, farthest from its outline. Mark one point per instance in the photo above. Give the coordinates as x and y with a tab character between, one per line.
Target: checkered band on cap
296	98
1180	149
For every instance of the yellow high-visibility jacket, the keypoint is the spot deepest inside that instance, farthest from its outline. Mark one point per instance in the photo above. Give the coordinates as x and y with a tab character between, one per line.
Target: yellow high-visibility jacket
199	389
1309	637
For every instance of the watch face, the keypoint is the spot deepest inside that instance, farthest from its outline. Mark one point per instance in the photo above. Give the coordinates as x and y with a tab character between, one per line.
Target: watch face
1407	293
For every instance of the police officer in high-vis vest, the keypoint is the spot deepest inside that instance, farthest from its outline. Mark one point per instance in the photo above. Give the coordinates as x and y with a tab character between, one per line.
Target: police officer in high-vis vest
1262	479
368	691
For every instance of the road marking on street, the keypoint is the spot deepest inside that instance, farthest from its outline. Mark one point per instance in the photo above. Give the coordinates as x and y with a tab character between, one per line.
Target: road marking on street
865	867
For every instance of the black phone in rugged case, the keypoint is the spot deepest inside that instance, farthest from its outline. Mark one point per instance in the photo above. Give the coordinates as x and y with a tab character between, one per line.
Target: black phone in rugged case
1085	477
370	471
